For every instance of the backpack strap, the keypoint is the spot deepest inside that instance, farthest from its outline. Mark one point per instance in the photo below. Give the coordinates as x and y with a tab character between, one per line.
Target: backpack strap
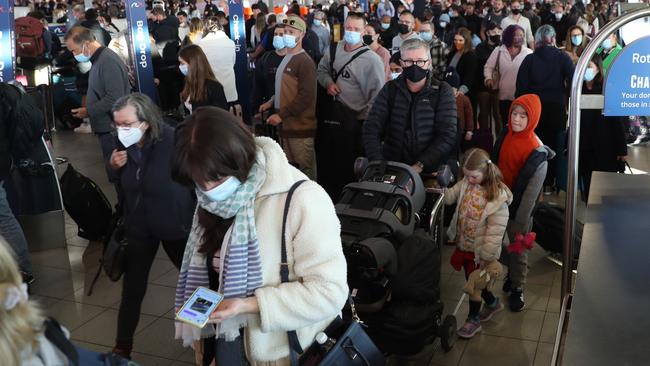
55	335
294	344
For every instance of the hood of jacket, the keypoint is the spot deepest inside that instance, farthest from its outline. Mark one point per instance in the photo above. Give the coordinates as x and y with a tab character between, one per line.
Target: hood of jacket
280	175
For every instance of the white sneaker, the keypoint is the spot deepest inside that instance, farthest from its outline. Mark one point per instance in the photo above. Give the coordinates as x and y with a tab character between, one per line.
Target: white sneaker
83	128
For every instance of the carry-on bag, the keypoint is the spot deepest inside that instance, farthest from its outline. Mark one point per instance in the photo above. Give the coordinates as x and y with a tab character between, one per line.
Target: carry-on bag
347	343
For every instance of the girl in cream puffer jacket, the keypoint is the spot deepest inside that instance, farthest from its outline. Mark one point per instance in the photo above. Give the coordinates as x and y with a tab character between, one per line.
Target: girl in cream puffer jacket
478	226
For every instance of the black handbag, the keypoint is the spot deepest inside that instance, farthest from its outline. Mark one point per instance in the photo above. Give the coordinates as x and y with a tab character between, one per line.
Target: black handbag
113	260
352	347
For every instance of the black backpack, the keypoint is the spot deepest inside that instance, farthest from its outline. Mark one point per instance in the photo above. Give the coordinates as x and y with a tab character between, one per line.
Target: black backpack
411	318
548	224
86	204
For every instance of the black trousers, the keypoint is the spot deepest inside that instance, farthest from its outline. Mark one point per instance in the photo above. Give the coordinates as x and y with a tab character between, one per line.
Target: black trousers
140	255
504	111
551	122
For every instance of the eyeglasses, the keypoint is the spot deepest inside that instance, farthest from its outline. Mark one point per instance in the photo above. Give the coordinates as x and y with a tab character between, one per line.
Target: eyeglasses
408	63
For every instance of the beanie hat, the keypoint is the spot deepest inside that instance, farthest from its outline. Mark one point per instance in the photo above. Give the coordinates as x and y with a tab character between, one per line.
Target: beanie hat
444	18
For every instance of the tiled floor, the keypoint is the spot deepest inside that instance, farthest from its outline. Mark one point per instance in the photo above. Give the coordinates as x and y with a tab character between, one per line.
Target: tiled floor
64	275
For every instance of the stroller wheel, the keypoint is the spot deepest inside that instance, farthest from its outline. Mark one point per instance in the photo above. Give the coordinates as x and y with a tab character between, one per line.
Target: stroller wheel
448	335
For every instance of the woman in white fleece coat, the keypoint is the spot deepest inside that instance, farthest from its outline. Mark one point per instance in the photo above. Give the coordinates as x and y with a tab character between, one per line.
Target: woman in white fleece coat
242	184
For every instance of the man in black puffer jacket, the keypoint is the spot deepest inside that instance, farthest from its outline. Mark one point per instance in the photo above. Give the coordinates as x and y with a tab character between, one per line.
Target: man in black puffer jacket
413	118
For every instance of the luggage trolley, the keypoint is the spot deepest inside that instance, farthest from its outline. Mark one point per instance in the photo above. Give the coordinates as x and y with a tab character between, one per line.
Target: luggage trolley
432	219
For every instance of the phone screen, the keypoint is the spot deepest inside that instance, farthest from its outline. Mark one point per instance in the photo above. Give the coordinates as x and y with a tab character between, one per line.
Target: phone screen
199	306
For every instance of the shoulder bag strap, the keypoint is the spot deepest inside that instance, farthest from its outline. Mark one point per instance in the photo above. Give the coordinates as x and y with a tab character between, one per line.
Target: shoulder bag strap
55	335
336	77
294	344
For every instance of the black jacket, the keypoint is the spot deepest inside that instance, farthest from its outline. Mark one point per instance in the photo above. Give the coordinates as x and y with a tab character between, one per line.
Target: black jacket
545	72
264	78
467	70
21	126
412	127
216	96
483	52
165	208
602	138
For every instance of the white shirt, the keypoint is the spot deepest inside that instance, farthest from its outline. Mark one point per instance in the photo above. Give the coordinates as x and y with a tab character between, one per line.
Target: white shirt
220	51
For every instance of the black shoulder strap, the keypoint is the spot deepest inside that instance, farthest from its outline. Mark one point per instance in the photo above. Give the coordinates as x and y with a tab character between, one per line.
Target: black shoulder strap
55	335
361	52
294	344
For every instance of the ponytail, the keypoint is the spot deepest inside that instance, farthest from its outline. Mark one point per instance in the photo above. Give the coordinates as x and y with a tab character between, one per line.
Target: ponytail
479	160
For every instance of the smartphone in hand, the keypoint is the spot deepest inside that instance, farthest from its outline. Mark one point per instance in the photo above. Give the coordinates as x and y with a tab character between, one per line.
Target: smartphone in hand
197	309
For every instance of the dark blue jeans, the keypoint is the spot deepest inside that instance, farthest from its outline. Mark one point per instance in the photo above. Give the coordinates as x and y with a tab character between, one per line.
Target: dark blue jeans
11	231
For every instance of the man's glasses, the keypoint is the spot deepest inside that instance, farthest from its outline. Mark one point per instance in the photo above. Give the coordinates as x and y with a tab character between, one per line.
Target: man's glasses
409	63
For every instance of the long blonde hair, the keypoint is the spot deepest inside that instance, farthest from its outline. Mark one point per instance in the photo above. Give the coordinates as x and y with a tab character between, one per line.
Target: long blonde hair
20	326
479	160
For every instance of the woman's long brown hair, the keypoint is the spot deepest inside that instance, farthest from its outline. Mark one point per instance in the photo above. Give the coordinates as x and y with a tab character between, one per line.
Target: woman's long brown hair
199	72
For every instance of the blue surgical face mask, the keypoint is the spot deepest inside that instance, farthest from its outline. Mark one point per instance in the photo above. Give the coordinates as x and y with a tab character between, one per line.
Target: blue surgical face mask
352	38
426	36
289	41
590	74
385	25
576	40
184	69
223	191
81	57
278	42
395	75
318	22
607	44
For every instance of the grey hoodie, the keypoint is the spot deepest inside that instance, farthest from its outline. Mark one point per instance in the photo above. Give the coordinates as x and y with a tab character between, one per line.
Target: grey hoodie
361	80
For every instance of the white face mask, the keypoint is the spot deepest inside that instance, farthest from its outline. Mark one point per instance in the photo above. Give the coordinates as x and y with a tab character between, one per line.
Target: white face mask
129	135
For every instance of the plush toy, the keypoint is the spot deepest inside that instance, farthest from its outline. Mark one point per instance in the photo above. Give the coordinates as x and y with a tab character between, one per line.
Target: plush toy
482	278
521	243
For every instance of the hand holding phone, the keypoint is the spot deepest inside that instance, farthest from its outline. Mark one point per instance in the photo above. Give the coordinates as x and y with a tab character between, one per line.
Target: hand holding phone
197	309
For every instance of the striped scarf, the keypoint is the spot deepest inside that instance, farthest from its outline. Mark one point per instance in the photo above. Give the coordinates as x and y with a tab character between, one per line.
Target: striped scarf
241	274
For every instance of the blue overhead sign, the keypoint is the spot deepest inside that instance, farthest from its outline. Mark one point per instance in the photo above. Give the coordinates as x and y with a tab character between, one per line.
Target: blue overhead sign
140	47
627	87
7	41
238	35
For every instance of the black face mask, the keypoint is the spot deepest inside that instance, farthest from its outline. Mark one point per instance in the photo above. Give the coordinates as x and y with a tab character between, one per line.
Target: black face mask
437	10
516	11
415	73
367	39
403	28
495	39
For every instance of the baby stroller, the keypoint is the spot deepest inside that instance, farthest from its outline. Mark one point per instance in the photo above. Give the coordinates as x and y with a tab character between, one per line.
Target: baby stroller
393	264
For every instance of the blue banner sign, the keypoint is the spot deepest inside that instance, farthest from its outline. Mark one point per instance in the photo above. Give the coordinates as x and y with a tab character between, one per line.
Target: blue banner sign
627	88
238	35
7	41
59	30
140	47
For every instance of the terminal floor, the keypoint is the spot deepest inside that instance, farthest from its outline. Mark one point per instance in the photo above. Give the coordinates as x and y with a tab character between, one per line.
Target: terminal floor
63	276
